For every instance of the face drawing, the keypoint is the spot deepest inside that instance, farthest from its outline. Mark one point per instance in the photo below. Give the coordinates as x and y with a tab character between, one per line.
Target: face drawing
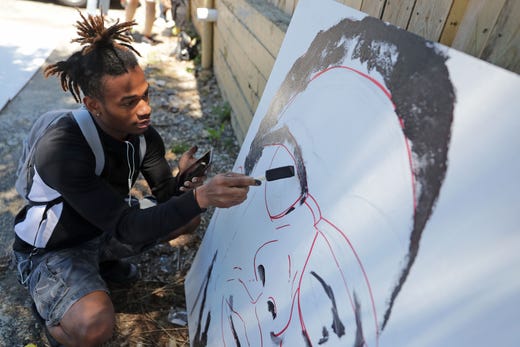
351	117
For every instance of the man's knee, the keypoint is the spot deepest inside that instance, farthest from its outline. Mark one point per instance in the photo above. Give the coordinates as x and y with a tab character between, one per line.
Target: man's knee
89	322
189	228
97	330
193	224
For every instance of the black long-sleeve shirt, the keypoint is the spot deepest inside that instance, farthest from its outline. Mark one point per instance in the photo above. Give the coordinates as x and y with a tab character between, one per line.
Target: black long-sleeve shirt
91	204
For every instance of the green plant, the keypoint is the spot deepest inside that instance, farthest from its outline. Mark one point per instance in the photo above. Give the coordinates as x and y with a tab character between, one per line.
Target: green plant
197	60
222	111
215	134
180	147
229	143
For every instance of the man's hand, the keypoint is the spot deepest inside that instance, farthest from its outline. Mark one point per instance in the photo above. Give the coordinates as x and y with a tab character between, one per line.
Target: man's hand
186	160
224	190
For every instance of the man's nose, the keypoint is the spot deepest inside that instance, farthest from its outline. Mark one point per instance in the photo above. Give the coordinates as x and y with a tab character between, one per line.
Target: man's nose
144	108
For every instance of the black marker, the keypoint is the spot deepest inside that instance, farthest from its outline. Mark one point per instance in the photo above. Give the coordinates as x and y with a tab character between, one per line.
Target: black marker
277	173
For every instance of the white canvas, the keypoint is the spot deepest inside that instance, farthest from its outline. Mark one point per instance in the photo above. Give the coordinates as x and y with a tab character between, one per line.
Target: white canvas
400	227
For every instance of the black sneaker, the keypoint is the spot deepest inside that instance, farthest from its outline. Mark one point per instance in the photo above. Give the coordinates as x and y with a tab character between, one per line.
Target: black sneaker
118	272
140	38
152	41
52	341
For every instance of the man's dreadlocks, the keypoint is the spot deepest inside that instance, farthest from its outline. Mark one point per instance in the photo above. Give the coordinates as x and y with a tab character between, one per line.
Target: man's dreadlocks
106	51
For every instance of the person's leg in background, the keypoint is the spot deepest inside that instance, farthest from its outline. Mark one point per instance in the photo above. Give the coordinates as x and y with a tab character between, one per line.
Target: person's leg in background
92	7
104	6
131	7
149	18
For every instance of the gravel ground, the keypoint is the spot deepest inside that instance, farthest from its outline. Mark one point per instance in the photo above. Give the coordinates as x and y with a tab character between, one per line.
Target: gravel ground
188	110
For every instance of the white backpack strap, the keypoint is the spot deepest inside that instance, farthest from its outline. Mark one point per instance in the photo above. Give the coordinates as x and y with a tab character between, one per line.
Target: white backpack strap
88	128
142	149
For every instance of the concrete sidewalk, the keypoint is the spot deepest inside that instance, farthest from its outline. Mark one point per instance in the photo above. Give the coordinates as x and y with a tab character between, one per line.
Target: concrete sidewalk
31	30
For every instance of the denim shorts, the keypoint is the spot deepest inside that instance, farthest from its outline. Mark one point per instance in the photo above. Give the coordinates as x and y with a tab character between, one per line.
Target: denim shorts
57	279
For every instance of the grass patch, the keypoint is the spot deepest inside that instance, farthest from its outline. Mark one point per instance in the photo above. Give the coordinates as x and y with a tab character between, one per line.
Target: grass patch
180	147
222	111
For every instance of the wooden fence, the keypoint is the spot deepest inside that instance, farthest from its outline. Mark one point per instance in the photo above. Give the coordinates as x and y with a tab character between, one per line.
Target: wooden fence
248	34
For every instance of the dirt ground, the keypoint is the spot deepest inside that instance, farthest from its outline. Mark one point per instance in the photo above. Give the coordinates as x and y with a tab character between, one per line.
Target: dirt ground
188	110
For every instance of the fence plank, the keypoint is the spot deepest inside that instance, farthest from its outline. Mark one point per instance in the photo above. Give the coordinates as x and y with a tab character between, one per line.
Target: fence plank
351	3
249	79
398	12
475	28
245	35
428	18
287	6
267	23
248	35
503	46
373	7
242	114
453	22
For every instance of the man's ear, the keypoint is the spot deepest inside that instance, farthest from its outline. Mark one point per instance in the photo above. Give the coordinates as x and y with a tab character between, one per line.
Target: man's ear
92	104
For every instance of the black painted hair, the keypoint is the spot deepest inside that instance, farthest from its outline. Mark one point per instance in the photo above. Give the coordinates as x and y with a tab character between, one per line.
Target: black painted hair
105	51
424	97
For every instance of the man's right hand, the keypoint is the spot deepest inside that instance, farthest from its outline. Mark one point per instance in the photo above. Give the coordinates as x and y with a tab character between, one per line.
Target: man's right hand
224	190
